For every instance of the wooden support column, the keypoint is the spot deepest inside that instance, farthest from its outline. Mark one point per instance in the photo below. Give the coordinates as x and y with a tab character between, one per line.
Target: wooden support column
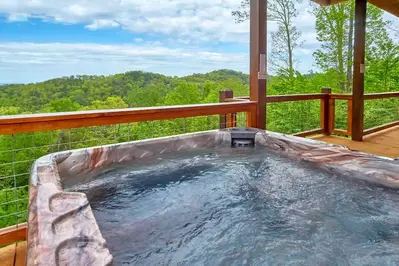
325	111
358	70
258	59
349	118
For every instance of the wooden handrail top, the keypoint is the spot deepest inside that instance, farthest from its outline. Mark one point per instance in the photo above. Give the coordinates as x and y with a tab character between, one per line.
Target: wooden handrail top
341	96
315	96
372	96
284	98
235	100
304	97
295	97
369	96
13	234
53	121
242	97
26	118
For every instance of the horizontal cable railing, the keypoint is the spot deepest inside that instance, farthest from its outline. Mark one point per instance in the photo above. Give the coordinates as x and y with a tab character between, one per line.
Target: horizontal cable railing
24	139
301	118
381	112
309	110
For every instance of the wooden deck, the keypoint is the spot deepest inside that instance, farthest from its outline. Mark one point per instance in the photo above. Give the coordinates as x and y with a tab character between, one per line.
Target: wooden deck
383	143
13	255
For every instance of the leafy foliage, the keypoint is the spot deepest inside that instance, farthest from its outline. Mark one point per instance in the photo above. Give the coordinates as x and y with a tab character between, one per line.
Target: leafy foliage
285	40
335	28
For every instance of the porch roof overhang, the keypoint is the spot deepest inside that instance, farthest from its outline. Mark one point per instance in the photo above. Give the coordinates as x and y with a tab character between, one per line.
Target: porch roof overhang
391	6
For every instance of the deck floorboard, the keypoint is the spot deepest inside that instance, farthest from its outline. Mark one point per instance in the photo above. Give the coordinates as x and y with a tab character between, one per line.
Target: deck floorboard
13	255
383	143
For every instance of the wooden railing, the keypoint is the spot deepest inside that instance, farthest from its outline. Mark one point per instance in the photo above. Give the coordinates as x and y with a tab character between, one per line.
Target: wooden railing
327	109
13	234
53	121
367	97
227	110
227	96
20	124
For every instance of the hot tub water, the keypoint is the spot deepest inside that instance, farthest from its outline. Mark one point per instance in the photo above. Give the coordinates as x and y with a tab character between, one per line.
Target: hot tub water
242	207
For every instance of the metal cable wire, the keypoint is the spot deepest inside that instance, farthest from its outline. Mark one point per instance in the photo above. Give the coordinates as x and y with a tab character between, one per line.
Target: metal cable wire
18	152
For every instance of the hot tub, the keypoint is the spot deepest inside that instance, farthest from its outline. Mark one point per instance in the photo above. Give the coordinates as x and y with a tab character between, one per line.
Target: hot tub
193	199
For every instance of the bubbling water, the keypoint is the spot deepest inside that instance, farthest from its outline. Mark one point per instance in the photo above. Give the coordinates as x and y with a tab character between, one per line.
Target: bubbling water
243	207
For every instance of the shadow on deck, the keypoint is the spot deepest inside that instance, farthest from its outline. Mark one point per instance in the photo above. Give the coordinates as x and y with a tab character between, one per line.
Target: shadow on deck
383	143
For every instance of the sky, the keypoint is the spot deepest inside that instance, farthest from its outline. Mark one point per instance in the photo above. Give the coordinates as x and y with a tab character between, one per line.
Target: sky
44	39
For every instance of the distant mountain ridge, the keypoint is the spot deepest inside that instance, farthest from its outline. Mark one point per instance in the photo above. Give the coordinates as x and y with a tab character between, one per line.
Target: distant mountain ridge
222	74
133	88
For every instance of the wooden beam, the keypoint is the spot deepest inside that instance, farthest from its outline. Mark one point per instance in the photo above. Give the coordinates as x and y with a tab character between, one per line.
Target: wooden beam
340	132
331	115
42	122
258	61
328	2
341	96
358	70
373	96
391	6
294	98
325	111
236	100
349	117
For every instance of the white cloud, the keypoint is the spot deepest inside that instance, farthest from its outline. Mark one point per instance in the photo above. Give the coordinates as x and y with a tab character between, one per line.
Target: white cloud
102	24
197	20
188	23
27	62
17	17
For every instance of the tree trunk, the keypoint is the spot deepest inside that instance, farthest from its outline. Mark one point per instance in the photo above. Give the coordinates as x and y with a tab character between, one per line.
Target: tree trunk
350	52
341	71
290	59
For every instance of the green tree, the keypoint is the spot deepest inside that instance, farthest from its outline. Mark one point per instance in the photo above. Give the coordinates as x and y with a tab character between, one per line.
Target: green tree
10	110
61	105
79	96
185	93
285	40
334	27
151	95
114	102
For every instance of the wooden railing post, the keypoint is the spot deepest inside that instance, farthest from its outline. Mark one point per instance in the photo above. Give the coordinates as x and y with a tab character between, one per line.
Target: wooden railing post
331	113
258	62
226	120
349	127
325	110
359	69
